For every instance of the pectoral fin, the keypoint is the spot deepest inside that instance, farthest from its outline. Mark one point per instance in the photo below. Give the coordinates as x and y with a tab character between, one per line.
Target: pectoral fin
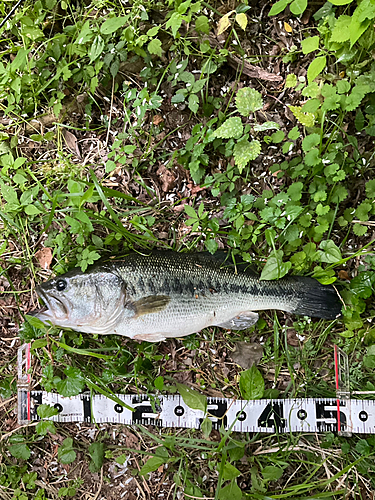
151	304
241	321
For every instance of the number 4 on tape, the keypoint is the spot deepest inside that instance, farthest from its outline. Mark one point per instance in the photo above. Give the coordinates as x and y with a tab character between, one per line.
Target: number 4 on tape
340	414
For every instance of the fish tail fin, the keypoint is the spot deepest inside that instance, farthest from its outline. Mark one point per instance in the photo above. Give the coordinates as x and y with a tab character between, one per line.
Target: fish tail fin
314	299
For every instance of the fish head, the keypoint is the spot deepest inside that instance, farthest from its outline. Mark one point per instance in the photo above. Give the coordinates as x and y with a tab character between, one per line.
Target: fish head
87	302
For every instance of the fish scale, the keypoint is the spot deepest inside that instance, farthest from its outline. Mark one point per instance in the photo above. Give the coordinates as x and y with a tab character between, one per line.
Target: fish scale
170	294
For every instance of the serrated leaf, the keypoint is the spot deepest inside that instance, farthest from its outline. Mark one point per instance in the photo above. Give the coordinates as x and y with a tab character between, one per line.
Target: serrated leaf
154	47
370	188
251	384
224	23
20	451
113	24
232	128
242	20
73	384
245	151
306	119
46	411
310	44
266	126
248	101
65	453
291	81
310	141
275	268
174	22
193	399
316	67
211	245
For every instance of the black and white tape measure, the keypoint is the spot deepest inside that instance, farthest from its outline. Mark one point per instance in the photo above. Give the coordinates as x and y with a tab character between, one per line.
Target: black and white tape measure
341	414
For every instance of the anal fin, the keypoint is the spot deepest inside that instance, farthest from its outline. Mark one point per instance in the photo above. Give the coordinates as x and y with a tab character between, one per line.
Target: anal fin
241	321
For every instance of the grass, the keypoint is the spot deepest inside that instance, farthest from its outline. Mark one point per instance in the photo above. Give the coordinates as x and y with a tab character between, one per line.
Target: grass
172	146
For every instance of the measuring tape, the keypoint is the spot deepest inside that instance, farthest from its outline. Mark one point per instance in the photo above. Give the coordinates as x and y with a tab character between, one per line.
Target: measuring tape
341	414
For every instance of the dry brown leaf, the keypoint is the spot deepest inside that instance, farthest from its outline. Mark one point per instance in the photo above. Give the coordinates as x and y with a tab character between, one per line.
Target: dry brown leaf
247	354
157	120
343	275
71	142
44	257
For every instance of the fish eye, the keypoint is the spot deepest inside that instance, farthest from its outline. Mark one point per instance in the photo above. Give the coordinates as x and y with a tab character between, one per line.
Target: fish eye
61	285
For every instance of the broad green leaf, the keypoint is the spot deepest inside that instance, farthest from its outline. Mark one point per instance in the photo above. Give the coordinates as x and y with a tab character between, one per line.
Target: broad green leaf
316	67
357	29
206	427
232	128
154	47
306	119
174	22
152	464
330	252
278	7
311	106
298	7
190	211
266	126
45	426
65	453
193	399
113	24
341	32
340	2
96	451
370	188
310	44
272	473
275	268
230	492
96	48
202	25
248	101
245	151
278	136
310	141
46	411
20	451
230	472
251	384
72	384
211	245
291	81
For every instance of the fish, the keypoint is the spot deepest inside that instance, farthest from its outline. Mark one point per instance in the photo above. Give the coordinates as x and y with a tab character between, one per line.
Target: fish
167	294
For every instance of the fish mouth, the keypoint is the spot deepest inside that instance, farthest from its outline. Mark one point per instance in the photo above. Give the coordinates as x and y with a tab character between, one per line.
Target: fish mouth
54	308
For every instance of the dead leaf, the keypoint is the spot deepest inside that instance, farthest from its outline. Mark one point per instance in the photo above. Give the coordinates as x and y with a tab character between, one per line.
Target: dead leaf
247	354
224	23
242	20
71	142
343	275
167	178
291	338
157	120
44	257
287	27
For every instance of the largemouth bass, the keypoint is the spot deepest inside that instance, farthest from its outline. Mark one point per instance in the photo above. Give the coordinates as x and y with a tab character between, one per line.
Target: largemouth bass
168	294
